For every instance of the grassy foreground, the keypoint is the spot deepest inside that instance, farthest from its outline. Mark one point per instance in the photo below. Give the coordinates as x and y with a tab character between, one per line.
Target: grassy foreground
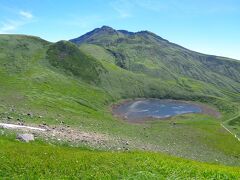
40	160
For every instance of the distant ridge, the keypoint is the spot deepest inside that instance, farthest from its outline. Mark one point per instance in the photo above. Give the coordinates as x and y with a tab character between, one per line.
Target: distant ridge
148	53
110	31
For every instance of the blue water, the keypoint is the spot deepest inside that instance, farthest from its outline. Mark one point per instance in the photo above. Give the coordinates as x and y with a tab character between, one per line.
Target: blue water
154	108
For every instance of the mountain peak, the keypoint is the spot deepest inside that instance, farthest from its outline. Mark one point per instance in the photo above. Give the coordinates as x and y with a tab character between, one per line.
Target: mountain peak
102	31
104	27
107	34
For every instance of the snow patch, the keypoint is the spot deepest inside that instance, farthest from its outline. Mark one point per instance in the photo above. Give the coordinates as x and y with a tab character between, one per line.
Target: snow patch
14	126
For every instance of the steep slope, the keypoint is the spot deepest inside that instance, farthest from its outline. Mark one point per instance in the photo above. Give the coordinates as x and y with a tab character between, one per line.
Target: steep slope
132	84
69	58
145	52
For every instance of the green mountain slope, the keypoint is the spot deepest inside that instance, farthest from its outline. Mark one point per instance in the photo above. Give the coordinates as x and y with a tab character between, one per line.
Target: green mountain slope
145	52
76	84
69	58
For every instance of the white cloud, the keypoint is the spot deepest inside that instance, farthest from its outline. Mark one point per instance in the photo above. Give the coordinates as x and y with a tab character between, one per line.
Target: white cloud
11	25
7	27
26	14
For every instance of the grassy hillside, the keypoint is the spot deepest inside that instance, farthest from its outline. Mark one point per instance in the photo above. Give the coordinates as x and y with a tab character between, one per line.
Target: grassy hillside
68	58
181	69
145	52
39	160
63	82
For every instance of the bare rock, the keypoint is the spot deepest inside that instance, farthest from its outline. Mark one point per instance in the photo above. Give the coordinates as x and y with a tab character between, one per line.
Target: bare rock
25	137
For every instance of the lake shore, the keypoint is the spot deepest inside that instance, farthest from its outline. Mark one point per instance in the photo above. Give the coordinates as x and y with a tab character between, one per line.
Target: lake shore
205	109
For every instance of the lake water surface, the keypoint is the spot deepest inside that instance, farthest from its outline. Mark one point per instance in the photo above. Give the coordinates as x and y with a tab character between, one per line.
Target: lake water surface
154	108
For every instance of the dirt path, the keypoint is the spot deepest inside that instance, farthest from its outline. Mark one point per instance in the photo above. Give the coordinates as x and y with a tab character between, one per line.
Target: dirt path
230	132
222	124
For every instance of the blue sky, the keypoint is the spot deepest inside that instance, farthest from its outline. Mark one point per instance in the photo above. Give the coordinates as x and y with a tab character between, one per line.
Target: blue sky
206	26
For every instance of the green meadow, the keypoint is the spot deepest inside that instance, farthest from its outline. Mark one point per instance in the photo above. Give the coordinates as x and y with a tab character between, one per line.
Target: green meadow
77	84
